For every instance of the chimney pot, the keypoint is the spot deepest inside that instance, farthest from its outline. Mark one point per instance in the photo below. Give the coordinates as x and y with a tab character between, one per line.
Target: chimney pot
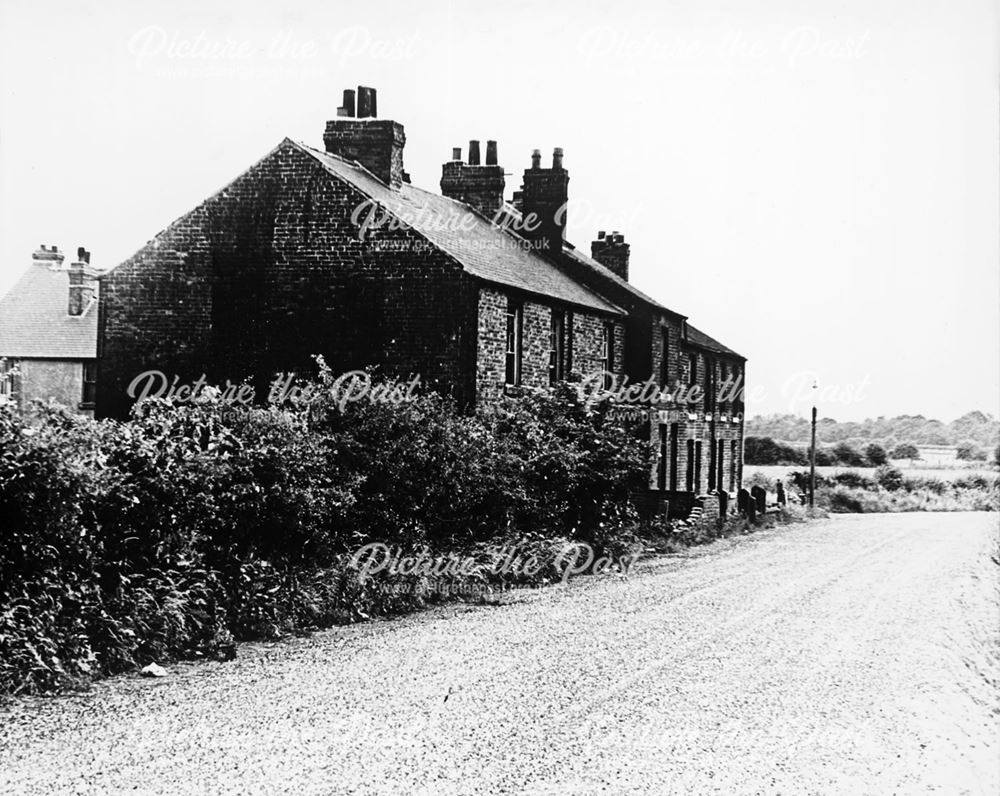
491	153
536	158
557	157
600	235
456	153
473	153
366	102
348	105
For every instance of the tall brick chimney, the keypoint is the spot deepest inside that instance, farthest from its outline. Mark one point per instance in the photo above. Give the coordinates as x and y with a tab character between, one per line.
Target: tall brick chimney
377	144
81	284
475	184
544	195
611	251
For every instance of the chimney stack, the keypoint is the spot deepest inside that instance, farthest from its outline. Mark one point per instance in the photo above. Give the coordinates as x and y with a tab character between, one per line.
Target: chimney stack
81	283
53	258
473	183
612	252
377	144
544	196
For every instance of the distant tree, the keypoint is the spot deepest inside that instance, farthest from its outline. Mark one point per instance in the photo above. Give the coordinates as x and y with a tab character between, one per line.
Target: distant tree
846	455
876	455
970	452
906	451
764	450
889	477
824	458
996	456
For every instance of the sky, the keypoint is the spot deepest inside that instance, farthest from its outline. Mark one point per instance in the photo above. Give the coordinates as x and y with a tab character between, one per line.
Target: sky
817	185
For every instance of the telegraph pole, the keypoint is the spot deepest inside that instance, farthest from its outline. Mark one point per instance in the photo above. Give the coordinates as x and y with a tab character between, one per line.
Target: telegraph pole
812	455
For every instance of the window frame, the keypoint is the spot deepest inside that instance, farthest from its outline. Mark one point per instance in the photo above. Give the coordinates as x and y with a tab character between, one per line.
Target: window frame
88	386
513	343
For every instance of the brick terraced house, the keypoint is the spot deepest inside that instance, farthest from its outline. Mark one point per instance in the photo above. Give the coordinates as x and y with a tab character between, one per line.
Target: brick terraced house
334	252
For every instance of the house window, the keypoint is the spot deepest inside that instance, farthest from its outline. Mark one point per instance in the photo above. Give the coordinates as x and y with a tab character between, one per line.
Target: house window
721	456
664	355
732	466
661	470
512	373
569	342
690	465
8	369
673	456
557	357
692	369
697	465
608	353
89	396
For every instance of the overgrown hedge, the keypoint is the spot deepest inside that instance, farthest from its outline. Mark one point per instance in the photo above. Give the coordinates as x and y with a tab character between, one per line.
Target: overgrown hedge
189	527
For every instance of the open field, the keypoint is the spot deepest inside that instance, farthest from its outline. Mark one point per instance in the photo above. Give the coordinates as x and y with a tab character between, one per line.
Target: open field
914	470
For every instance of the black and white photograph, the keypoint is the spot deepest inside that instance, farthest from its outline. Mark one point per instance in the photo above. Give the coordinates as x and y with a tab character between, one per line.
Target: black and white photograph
571	397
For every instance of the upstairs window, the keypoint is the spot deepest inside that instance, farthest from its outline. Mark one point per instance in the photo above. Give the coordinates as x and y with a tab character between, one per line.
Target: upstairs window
512	370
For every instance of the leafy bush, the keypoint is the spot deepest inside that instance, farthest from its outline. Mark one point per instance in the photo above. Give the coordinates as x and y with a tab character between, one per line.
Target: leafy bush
854	479
190	526
876	455
888	477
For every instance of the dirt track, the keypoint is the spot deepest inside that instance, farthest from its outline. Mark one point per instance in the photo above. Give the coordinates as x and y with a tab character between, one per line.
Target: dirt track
855	655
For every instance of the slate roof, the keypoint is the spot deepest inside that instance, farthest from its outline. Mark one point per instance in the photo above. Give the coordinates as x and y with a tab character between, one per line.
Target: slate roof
481	248
35	324
702	340
589	262
694	336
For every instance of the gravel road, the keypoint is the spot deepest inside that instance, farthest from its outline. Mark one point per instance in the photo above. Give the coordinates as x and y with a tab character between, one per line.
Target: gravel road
853	655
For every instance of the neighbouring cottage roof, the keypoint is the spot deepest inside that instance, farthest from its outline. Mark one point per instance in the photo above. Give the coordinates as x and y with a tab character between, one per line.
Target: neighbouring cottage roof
694	336
480	247
35	323
702	340
589	262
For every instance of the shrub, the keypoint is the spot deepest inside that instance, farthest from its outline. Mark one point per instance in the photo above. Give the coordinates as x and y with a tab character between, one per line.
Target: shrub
853	479
188	526
876	455
888	477
846	455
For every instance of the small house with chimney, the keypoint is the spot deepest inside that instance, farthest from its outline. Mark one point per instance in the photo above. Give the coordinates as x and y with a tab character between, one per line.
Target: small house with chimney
48	333
333	251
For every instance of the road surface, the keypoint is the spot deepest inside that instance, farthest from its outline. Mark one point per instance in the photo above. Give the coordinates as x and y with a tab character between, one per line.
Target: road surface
853	655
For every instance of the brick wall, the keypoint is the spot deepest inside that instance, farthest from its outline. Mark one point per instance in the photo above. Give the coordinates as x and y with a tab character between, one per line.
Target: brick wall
58	380
270	271
536	322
